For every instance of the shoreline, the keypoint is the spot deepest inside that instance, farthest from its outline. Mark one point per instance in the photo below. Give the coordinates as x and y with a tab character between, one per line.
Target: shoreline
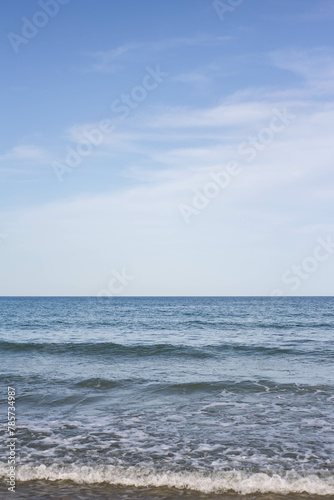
68	490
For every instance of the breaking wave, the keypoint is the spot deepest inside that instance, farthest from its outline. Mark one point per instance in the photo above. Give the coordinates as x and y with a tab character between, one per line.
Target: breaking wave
241	482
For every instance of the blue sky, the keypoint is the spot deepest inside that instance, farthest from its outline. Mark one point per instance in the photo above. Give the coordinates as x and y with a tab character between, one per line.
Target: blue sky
157	100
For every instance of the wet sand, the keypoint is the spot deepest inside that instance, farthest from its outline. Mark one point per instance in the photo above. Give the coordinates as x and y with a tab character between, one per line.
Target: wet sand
65	490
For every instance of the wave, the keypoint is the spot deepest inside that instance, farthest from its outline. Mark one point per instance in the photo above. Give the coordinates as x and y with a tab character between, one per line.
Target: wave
164	323
90	348
241	482
248	386
156	386
244	325
112	348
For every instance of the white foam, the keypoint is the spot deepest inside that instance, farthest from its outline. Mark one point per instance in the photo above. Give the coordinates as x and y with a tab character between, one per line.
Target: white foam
241	482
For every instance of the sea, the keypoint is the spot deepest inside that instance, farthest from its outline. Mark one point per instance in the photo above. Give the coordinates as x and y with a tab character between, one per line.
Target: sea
168	397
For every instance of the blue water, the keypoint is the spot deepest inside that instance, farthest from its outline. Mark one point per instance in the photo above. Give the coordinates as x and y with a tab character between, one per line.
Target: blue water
206	394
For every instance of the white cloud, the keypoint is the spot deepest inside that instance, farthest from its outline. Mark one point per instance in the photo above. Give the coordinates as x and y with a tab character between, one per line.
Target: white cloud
25	153
76	243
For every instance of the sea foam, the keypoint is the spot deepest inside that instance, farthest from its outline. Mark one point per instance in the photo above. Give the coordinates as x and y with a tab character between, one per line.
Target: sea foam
241	482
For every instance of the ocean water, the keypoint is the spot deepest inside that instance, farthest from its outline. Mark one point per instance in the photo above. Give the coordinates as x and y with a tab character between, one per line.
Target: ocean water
163	398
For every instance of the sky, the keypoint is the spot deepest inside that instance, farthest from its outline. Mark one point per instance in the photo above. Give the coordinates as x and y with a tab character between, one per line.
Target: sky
179	147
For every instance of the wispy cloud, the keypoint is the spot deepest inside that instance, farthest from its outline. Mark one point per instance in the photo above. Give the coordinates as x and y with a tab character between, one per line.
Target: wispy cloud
110	60
225	114
24	153
315	66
